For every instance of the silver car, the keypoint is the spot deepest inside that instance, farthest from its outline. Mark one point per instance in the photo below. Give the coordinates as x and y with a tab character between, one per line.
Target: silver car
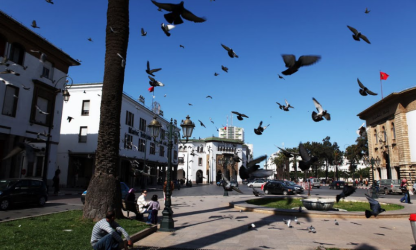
256	183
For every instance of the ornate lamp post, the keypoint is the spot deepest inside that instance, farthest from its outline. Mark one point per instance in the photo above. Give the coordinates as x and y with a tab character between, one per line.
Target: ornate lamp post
372	161
167	223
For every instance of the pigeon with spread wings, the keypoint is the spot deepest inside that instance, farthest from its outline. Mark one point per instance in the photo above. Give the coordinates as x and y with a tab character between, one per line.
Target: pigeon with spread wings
228	186
144	33
259	130
239	115
166	28
362	131
285	108
307	160
155	83
374	206
364	90
316	117
176	12
357	35
202	124
231	52
287	153
252	170
151	71
293	66
346	191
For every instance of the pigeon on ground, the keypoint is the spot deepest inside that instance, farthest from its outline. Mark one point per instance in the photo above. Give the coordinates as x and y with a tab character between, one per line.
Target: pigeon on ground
374	206
300	209
155	83
176	12
251	226
364	90
166	28
346	191
123	61
281	77
228	186
34	25
287	222
224	68
366	11
151	71
316	117
285	108
9	71
202	124
41	111
181	46
70	118
311	229
239	115
336	222
357	35
307	160
259	130
362	131
208	96
215	74
296	221
231	52
287	153
49	1
4	61
255	192
293	65
144	33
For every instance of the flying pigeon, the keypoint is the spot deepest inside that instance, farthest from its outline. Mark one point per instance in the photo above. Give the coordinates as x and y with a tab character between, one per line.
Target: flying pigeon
281	77
208	96
190	104
151	71
43	57
34	25
164	95
123	62
307	160
311	229
322	113
357	35
224	68
374	206
25	88
70	118
49	1
236	158
285	108
176	11
239	115
252	170
336	222
112	30
259	130
361	131
181	46
155	83
228	186
215	74
144	33
293	65
363	90
202	124
231	52
166	28
41	111
90	39
346	191
287	153
366	11
9	71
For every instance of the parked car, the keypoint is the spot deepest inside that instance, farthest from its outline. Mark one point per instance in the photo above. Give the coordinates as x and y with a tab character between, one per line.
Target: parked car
256	183
315	182
22	191
298	188
278	187
124	191
389	186
337	185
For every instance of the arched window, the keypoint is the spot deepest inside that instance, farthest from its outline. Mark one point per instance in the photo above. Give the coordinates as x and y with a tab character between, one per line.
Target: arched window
393	130
17	53
3	43
375	135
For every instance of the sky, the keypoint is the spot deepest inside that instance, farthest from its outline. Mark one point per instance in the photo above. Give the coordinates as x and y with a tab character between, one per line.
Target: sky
259	32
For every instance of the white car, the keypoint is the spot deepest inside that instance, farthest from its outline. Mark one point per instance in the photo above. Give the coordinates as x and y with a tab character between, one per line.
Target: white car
256	183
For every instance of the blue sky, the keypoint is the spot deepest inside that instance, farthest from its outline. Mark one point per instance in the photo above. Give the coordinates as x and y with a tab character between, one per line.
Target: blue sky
259	32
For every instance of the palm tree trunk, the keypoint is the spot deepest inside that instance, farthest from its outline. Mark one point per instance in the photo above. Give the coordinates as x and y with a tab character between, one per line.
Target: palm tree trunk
104	192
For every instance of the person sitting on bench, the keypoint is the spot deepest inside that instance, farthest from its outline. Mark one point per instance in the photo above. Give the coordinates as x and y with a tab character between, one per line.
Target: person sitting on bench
143	205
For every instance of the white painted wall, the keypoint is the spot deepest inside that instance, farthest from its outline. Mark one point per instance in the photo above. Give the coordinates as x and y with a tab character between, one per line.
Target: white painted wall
411	126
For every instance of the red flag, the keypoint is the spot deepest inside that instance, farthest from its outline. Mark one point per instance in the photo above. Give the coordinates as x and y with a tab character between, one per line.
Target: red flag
225	128
151	89
383	76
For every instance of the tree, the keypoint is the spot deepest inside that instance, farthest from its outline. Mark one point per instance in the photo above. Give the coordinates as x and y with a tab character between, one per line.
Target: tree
280	161
104	191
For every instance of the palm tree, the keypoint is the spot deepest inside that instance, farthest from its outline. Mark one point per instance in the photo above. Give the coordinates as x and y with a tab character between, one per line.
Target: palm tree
104	192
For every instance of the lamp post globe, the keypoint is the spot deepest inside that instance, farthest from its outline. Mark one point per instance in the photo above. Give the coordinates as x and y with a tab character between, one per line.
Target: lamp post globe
187	128
154	127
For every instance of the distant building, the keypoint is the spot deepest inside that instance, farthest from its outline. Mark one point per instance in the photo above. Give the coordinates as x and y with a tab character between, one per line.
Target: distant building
391	133
28	138
234	133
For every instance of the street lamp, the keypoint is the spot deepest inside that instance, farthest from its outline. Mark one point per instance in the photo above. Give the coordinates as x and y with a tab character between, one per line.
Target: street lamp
167	223
211	177
187	128
372	161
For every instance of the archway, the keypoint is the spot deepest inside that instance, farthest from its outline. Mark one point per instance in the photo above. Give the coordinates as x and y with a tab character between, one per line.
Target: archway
199	176
219	175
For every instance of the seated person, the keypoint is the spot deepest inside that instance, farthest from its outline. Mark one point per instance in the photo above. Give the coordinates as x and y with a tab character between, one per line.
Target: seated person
130	201
143	205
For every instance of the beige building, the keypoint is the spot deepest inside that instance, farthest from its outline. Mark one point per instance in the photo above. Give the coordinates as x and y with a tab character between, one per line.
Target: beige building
391	132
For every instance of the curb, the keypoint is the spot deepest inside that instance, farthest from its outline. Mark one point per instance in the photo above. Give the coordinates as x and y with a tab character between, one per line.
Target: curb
142	234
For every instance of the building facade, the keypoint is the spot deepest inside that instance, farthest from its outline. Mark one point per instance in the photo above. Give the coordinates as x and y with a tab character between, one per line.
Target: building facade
391	133
79	136
231	132
31	85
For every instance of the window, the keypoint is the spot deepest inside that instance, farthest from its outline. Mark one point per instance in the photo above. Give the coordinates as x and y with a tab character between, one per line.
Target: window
162	134
199	161
128	141
11	95
83	131
152	148
142	145
47	70
375	135
161	151
3	43
17	53
44	98
42	104
129	119
393	130
142	125
85	107
180	160
175	155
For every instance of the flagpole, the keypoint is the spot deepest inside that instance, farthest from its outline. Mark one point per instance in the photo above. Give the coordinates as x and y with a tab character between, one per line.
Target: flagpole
381	85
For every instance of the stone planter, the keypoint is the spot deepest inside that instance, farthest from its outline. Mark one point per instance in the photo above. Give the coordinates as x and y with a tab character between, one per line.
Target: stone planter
318	204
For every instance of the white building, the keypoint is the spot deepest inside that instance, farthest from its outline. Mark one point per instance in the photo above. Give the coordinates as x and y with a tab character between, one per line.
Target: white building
231	132
28	138
79	134
200	160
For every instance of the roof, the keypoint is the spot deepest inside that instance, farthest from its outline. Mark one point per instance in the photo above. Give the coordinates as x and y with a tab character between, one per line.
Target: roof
218	139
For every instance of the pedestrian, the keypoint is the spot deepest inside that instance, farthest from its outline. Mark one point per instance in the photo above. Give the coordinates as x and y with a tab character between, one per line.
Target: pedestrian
130	201
55	182
155	207
403	187
106	234
144	205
